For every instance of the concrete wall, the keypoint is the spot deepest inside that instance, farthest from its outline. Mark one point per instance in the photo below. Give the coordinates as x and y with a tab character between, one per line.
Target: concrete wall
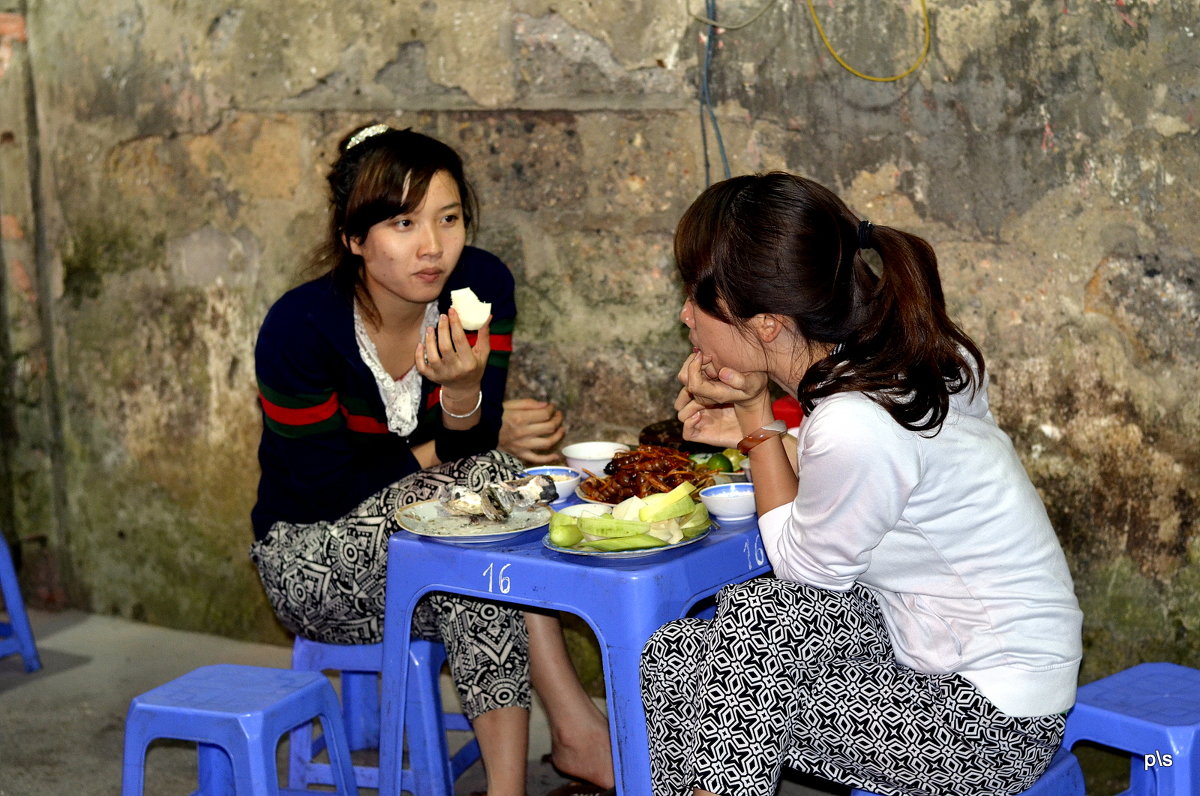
162	182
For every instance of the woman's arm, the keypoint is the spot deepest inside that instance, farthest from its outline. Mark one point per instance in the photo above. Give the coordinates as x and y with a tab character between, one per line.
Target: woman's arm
857	471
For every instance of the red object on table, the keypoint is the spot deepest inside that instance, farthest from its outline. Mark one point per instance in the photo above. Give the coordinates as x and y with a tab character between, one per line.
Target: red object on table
788	410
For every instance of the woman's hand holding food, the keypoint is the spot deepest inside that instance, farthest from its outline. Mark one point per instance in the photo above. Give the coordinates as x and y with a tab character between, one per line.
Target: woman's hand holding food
445	357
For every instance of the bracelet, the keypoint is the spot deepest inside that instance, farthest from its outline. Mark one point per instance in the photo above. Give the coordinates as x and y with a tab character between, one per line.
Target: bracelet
478	403
755	438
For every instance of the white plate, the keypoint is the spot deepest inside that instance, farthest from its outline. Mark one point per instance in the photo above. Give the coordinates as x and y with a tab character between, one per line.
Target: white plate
430	518
645	551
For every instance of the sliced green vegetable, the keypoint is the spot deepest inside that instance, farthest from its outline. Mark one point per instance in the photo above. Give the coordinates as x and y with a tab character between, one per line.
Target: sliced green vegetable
696	522
564	530
667	509
611	528
636	542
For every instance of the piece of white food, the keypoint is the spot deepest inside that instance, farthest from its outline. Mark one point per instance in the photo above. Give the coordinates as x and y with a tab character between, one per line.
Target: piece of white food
471	311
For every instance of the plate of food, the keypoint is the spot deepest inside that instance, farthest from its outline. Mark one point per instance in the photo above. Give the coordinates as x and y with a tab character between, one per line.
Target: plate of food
650	469
493	512
633	528
431	518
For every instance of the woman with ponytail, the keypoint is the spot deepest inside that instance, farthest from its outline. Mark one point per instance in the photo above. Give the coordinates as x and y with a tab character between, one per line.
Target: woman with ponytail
921	634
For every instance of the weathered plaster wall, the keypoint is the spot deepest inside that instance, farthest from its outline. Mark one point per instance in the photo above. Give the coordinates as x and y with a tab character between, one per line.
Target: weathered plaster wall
1048	149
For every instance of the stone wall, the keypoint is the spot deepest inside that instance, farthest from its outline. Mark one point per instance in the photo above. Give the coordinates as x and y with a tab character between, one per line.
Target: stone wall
162	183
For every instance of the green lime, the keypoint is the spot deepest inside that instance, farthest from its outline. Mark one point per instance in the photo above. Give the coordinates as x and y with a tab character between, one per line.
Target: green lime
735	456
717	462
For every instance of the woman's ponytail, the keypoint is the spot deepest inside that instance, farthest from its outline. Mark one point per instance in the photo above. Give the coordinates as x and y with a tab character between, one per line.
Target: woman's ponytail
906	353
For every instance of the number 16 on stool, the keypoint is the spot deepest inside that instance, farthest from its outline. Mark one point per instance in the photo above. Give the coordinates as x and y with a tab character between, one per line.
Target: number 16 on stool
623	601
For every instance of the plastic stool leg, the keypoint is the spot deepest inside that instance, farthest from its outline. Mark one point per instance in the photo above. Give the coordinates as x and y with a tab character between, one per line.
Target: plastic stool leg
215	770
254	769
133	765
429	768
360	708
300	755
1178	779
339	750
18	624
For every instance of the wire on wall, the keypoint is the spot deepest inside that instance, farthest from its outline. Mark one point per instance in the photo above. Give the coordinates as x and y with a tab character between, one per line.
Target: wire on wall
917	65
708	115
738	26
706	106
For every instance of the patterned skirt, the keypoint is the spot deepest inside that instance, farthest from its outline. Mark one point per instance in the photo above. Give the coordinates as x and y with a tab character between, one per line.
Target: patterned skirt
790	675
326	582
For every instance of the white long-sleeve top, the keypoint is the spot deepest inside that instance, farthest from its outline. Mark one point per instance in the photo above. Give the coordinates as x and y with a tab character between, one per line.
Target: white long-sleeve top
951	537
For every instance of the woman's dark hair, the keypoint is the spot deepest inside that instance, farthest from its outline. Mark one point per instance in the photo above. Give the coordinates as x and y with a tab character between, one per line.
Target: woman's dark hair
780	244
380	173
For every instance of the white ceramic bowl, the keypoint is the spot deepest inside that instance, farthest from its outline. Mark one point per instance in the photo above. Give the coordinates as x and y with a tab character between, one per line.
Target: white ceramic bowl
729	501
565	478
592	456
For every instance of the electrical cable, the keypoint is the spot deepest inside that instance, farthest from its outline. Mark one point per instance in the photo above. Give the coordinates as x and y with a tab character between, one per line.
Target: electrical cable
920	60
706	104
708	114
750	21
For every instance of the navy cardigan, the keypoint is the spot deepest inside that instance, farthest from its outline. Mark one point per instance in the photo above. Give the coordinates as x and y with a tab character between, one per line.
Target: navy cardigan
325	443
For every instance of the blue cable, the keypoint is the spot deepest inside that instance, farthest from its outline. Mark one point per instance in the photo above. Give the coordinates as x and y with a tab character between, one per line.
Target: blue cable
706	98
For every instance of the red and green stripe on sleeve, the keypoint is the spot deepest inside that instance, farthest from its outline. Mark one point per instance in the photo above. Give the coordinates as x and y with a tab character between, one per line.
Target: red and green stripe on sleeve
306	414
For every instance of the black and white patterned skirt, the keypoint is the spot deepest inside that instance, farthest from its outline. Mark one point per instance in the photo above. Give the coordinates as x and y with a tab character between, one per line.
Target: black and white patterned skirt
790	675
326	581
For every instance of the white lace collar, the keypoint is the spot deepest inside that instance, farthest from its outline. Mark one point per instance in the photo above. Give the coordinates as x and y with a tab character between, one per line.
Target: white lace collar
402	396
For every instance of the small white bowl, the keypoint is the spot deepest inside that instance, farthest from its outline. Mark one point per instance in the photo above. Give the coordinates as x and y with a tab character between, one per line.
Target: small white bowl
592	456
729	501
565	478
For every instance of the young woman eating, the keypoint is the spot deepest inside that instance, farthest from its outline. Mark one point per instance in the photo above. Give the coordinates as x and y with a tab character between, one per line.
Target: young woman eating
375	396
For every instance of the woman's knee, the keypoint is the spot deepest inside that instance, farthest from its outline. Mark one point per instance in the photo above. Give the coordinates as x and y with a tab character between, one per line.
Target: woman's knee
757	597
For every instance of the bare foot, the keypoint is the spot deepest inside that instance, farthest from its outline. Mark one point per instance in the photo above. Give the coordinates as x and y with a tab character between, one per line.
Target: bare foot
588	760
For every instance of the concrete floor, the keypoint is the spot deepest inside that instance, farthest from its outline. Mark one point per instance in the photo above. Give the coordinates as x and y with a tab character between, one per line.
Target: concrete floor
62	728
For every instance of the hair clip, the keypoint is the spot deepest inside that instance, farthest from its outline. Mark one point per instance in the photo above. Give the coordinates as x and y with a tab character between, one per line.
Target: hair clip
364	134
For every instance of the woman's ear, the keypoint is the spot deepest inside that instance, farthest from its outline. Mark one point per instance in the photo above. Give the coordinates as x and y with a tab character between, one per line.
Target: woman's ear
353	245
767	326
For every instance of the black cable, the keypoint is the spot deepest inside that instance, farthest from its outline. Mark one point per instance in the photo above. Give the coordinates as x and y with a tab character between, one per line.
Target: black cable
706	104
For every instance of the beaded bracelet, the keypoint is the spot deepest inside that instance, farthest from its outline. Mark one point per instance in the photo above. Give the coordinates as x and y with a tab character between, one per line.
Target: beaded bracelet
478	403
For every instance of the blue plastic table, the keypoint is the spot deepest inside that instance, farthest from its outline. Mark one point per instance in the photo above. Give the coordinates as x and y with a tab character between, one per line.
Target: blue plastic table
623	600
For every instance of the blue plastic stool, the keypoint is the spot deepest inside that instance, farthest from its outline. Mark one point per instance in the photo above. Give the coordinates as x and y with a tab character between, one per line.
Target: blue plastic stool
236	715
1064	777
1152	712
430	765
15	634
